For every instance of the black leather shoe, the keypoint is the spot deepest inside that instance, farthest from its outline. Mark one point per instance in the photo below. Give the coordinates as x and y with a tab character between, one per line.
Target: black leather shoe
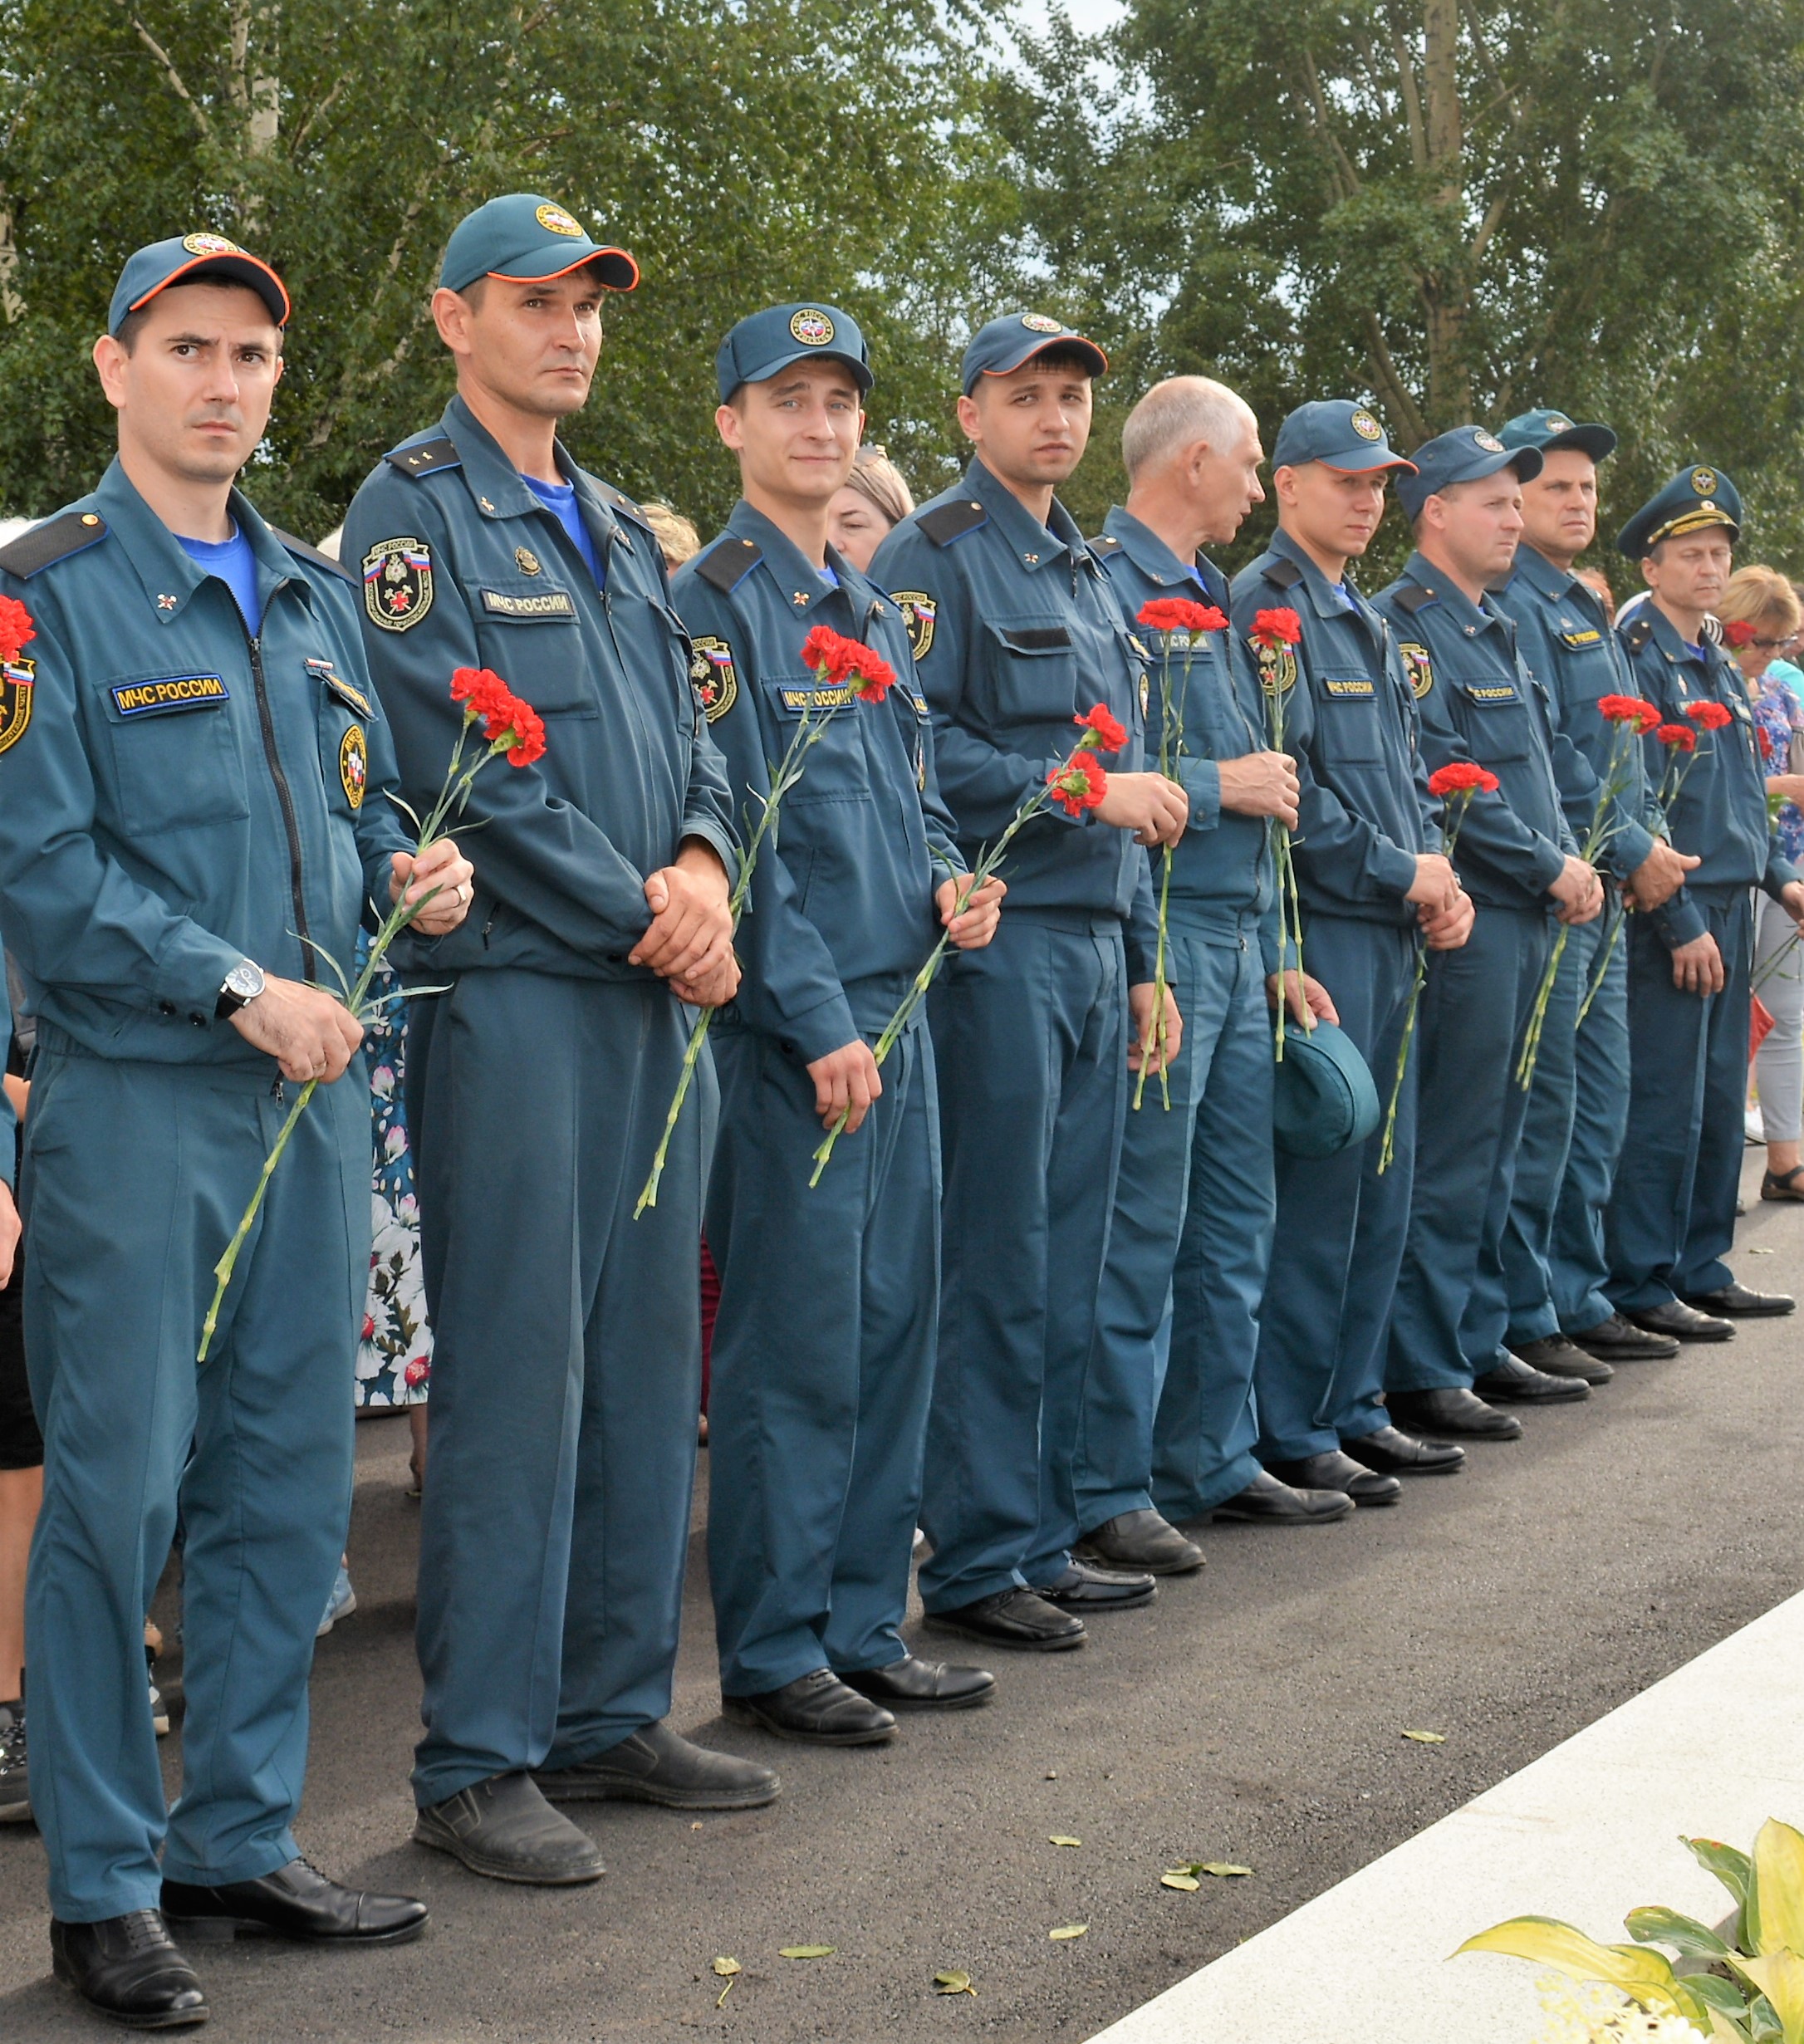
912	1683
818	1708
1332	1470
1739	1303
128	1968
655	1764
1452	1409
295	1901
1143	1540
1012	1618
1556	1356
1513	1383
1682	1322
1619	1340
504	1828
1393	1453
1087	1591
1266	1502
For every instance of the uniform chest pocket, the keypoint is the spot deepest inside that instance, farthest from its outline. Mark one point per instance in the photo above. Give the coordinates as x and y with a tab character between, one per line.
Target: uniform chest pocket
529	634
1033	665
177	764
1350	705
1495	717
835	767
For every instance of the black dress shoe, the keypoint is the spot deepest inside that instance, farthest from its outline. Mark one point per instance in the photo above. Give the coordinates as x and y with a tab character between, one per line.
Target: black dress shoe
1266	1502
1737	1301
1140	1540
1453	1410
1513	1383
1332	1470
504	1828
1619	1340
295	1901
817	1707
1682	1322
1393	1453
912	1683
1086	1590
128	1968
1556	1355
655	1764
1012	1618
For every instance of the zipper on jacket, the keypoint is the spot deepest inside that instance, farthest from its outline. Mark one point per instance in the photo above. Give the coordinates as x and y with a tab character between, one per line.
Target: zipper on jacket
285	799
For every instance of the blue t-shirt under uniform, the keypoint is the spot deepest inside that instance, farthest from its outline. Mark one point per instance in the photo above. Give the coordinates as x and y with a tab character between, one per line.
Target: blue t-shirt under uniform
233	562
559	499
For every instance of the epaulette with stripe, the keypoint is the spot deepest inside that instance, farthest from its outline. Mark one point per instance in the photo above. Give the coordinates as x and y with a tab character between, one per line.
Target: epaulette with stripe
55	540
947	523
305	552
1415	598
727	564
426	456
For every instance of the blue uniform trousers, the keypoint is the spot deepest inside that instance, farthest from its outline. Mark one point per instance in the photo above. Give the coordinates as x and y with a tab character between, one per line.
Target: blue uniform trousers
135	1176
1671	1215
1449	1305
1030	1035
823	1361
565	1371
1576	1260
1193	1212
1340	1221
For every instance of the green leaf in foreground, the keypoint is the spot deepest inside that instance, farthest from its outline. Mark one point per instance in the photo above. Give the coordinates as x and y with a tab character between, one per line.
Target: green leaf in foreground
1057	1840
1180	1878
1067	1930
806	1951
953	1983
1426	1738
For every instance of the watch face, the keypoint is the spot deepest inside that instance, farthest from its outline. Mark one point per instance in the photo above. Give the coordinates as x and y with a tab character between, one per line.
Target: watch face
245	980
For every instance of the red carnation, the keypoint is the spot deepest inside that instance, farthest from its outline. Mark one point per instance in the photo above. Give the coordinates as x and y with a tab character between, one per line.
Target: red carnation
504	715
1272	628
876	677
1461	776
1105	731
1079	784
1680	738
831	655
1708	716
1628	709
16	628
1740	633
1174	614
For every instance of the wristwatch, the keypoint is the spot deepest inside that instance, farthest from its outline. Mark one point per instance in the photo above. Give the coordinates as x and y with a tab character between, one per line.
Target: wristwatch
242	985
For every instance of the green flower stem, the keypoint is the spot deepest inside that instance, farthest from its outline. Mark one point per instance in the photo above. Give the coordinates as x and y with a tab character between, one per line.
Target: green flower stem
1774	963
1171	751
1618	918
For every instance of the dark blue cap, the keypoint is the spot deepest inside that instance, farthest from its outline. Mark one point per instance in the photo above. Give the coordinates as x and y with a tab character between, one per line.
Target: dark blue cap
192	257
525	239
1467	454
1323	1100
1017	337
764	343
1548	430
1694	498
1338	434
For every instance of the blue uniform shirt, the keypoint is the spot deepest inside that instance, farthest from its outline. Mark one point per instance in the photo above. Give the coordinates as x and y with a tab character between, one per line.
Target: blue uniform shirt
1016	632
178	796
1721	813
233	562
1478	701
462	565
1363	811
841	913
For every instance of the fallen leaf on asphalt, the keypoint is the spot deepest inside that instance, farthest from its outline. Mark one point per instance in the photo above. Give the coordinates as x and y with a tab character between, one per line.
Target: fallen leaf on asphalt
1426	1738
953	1983
1753	1251
806	1951
1180	1878
1224	1869
726	1966
1068	1930
1056	1840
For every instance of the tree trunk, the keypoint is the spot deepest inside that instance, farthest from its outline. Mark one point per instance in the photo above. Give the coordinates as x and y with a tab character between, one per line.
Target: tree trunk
1446	290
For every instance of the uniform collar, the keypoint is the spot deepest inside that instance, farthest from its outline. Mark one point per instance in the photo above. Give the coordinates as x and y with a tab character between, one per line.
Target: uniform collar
1556	584
1155	559
498	489
167	573
1321	590
1676	649
1471	618
790	568
1032	544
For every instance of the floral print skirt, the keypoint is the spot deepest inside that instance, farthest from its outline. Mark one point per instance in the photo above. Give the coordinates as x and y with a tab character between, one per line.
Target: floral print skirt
395	1354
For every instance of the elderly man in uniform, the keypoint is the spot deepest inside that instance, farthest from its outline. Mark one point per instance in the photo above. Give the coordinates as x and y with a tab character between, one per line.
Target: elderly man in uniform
1672	1214
1516	856
1016	633
193	775
566	1372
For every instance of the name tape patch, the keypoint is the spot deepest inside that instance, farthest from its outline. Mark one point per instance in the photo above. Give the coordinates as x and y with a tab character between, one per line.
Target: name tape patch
174	691
1347	688
799	699
553	603
1489	692
1579	640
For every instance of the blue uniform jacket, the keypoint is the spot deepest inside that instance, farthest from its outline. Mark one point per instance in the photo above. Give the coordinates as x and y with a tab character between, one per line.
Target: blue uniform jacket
1478	700
462	565
841	910
1222	867
1364	812
174	796
1721	813
1569	645
1016	632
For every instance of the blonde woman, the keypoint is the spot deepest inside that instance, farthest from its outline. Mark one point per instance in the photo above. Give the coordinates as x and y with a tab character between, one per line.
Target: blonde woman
874	499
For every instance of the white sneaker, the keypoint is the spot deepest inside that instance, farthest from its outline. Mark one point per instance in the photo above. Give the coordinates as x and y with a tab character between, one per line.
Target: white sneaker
341	1603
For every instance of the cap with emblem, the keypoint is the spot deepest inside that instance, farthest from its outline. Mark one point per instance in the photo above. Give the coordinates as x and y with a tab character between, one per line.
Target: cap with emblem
1000	347
1467	454
525	239
765	343
1694	498
187	258
1548	430
1339	435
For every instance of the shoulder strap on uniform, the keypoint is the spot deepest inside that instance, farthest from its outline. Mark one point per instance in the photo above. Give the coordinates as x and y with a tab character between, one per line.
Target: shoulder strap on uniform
299	546
1105	544
55	540
1635	634
728	562
947	523
426	456
617	500
1281	573
1413	597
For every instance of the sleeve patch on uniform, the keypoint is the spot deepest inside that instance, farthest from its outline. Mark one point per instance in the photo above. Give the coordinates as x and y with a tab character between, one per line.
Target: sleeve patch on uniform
919	612
397	583
329	677
174	691
713	677
1278	668
1418	666
17	678
354	765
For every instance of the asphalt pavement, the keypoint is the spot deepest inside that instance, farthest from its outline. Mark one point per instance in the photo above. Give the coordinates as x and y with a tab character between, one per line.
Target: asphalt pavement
1253	1715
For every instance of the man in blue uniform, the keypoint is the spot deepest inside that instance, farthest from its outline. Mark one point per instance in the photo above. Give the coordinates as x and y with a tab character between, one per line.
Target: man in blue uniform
193	769
1672	1216
1367	883
1560	1320
1478	703
1015	633
1169	1425
817	1421
568	1364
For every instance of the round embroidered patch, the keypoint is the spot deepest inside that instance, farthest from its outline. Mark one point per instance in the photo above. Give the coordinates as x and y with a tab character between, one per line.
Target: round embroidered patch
354	765
1366	426
811	327
210	245
555	221
1038	323
1704	482
1488	441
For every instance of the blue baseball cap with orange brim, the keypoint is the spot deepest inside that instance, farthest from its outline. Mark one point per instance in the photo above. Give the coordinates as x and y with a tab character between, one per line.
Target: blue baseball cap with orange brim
525	239
187	258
